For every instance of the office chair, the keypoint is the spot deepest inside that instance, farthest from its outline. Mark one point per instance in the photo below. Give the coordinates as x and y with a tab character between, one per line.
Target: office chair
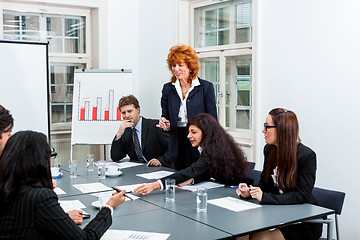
255	175
251	165
333	200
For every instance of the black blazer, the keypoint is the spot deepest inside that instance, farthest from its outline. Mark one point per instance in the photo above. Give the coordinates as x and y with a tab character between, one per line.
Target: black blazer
200	100
154	142
199	170
36	214
305	180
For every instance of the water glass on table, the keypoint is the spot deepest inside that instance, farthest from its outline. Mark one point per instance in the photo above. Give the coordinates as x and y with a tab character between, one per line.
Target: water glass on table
170	190
90	162
73	168
102	169
201	199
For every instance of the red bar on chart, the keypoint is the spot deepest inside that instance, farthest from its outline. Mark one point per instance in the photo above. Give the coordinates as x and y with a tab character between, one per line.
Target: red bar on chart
118	114
94	115
106	115
82	113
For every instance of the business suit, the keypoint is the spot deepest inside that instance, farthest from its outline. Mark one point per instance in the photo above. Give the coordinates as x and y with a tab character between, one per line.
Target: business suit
154	142
200	100
200	171
305	180
36	214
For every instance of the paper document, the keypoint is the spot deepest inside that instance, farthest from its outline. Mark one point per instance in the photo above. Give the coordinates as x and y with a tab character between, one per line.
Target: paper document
122	164
109	194
59	191
131	235
68	205
207	184
155	175
233	204
91	187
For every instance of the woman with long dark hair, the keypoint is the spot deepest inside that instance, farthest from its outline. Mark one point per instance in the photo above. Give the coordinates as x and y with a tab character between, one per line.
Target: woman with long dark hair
288	175
220	157
29	207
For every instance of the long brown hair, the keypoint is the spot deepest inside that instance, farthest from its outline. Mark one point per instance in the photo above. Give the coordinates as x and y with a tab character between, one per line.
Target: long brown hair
283	155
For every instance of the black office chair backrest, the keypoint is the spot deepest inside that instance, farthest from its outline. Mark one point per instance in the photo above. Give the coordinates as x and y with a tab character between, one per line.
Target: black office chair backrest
255	175
251	165
329	199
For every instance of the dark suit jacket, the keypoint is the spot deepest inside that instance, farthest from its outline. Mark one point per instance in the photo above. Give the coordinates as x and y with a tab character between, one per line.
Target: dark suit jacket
199	170
200	100
305	180
154	143
36	214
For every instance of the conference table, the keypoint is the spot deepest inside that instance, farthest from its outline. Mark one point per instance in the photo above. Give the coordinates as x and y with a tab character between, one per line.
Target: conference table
152	213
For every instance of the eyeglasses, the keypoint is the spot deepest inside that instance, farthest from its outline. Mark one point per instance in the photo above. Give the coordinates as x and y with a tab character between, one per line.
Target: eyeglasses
266	127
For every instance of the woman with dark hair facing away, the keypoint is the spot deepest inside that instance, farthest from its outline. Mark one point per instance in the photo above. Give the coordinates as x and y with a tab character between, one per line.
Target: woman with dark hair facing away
220	157
29	208
288	175
182	98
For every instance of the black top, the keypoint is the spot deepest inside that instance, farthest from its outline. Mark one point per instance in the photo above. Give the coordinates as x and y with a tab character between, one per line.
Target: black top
200	100
36	214
200	171
305	180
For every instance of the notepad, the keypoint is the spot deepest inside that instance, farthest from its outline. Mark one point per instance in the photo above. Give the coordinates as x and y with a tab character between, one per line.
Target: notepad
91	187
131	235
155	175
233	204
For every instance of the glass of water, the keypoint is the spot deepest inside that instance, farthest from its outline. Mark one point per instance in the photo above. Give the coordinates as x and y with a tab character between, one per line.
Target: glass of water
90	162
201	199
102	169
170	190
73	168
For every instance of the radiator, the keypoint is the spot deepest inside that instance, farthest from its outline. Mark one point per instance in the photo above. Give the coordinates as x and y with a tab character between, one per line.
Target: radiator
63	148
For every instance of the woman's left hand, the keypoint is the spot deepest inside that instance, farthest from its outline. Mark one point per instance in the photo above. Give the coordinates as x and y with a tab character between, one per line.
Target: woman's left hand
187	182
256	193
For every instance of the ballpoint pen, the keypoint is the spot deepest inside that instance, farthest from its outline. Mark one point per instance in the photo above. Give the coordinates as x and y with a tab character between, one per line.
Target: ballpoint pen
124	194
57	178
248	188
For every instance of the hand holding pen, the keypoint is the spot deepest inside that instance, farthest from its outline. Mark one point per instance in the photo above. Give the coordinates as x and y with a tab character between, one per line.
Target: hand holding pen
164	124
117	190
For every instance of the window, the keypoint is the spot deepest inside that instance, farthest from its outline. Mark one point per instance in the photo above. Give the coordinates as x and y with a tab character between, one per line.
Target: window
222	36
66	31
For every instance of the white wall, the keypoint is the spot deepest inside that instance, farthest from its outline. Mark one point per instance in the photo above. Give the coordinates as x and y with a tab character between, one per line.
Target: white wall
309	56
140	34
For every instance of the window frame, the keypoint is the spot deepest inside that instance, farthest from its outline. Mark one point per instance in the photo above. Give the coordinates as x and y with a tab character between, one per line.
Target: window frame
96	50
247	138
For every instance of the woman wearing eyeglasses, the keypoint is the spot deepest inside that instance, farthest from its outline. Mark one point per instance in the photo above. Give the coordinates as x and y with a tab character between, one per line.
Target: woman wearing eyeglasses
288	175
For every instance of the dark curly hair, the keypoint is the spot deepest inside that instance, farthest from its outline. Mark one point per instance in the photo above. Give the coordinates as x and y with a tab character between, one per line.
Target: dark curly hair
6	120
219	149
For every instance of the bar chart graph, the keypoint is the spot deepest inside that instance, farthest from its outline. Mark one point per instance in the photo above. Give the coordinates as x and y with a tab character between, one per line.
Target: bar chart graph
97	112
96	117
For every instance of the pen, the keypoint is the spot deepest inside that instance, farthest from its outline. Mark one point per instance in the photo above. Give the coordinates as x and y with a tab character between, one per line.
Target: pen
85	215
57	178
124	194
248	188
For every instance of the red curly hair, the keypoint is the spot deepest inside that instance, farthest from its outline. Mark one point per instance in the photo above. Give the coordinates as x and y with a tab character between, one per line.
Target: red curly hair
183	54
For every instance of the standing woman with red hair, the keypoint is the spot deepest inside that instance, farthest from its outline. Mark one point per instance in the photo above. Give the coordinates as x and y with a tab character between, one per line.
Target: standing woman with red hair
184	97
288	175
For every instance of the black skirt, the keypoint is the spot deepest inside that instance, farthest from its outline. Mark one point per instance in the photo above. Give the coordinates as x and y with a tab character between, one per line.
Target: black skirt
302	231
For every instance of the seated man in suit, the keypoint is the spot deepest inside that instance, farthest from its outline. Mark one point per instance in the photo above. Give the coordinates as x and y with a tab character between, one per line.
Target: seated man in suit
6	125
139	137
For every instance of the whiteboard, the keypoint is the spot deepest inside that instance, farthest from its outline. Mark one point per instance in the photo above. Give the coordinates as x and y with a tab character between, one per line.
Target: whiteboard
95	116
25	84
